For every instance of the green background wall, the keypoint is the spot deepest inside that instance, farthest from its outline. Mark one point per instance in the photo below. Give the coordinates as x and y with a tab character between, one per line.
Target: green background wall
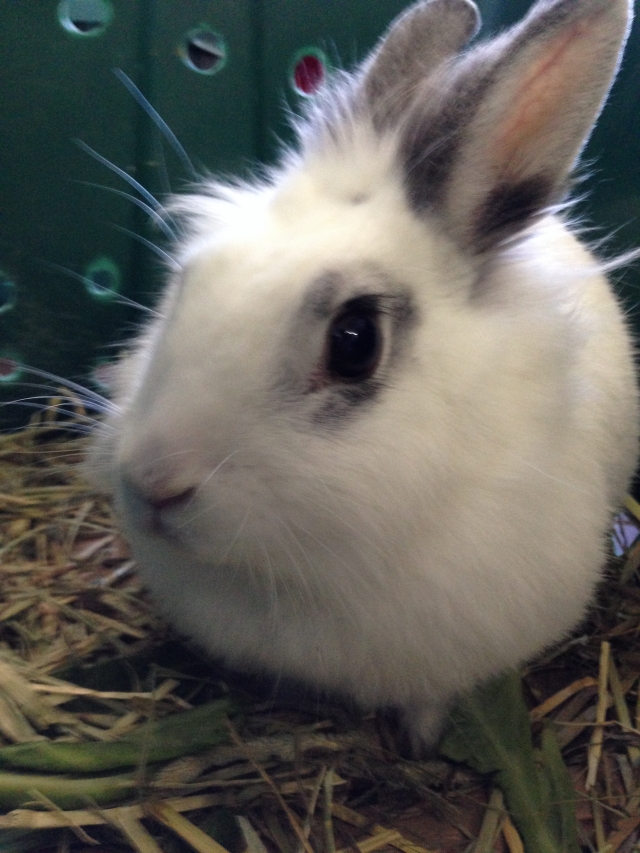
57	85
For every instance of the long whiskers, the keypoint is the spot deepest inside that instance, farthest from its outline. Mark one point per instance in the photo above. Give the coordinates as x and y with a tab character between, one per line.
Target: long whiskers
92	399
153	247
273	589
159	219
236	536
338	590
327	508
136	185
74	423
157	119
298	603
118	297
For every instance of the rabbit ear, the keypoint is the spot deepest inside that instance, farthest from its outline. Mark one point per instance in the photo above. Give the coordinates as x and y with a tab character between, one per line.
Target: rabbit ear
416	43
489	143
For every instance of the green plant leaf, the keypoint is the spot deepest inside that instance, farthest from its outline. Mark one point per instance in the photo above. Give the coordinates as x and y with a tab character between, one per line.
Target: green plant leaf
490	731
162	740
16	789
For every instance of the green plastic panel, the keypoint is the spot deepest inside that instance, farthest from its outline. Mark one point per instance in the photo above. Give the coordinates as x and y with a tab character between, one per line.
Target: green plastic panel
220	73
56	86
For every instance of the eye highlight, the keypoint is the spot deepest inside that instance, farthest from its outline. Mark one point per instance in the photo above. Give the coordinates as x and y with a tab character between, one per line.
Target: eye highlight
354	342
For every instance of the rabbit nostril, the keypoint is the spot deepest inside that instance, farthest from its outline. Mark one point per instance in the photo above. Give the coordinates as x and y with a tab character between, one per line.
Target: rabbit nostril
158	523
158	504
147	507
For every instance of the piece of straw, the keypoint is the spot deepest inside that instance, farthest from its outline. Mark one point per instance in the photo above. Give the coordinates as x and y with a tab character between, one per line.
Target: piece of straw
597	737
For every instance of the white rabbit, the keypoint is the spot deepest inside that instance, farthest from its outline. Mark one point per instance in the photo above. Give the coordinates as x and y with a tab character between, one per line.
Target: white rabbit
375	436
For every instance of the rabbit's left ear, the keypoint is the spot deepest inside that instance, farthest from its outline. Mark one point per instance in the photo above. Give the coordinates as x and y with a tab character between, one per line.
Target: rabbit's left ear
490	139
417	42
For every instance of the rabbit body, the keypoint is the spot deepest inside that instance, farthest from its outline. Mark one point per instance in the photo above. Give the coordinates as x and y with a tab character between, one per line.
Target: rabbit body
404	522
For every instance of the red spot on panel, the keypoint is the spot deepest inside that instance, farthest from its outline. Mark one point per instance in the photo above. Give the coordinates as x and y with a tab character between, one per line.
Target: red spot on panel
7	367
308	74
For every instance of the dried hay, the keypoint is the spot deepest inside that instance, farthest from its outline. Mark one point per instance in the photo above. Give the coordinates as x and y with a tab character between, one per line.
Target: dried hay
85	660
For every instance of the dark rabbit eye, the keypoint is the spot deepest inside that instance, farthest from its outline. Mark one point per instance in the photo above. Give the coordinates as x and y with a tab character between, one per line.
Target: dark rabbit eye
355	345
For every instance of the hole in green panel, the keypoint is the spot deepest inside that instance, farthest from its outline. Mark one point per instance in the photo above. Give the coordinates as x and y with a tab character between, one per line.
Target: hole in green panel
85	17
7	292
308	71
203	50
102	278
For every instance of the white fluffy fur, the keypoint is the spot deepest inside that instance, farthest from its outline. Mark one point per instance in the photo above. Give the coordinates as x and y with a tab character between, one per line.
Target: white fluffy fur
452	527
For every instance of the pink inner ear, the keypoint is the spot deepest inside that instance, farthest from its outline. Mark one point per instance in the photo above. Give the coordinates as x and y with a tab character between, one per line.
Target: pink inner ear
541	99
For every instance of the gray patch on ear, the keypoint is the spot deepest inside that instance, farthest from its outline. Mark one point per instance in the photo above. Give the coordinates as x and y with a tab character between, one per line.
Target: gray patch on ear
509	208
434	131
382	90
436	135
434	138
417	42
429	154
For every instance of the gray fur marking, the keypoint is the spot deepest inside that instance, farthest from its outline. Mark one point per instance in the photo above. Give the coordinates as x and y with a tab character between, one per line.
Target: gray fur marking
334	401
431	31
439	130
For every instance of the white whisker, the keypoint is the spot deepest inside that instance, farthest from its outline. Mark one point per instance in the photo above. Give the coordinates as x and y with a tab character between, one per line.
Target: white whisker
217	468
157	119
273	589
166	257
91	399
117	297
549	476
305	586
162	221
236	536
136	185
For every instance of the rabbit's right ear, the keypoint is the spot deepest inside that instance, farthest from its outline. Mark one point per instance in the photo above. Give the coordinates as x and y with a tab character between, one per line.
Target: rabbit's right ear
490	138
416	43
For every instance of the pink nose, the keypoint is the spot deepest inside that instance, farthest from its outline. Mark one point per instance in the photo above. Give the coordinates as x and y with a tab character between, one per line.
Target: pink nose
151	508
